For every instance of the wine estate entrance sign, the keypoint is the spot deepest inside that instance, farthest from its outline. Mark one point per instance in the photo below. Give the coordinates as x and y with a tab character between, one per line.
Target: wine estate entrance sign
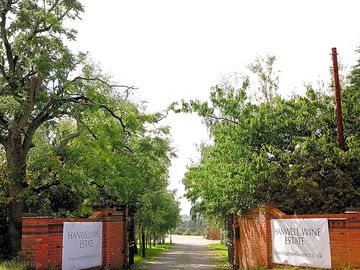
301	242
82	245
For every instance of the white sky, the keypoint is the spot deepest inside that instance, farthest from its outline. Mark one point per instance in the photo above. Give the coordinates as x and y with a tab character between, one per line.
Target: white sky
178	49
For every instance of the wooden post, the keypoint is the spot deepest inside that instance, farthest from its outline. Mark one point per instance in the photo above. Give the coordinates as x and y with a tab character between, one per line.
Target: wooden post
339	121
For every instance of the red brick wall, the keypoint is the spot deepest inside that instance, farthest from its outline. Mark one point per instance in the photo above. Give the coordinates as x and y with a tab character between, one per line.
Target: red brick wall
114	241
213	234
42	239
254	248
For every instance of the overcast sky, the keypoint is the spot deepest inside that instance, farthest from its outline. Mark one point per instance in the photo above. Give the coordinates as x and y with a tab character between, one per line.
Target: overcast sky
178	49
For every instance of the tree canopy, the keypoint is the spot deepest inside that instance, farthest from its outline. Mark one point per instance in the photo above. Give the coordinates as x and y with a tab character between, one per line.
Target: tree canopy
71	139
280	151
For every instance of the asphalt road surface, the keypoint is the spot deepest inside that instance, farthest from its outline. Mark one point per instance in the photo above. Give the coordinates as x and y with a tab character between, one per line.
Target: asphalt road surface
190	252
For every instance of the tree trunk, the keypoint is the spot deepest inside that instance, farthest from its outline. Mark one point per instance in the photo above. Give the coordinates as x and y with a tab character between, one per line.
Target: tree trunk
143	244
16	163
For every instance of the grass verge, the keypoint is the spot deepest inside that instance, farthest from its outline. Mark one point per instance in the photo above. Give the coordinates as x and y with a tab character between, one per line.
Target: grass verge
14	265
151	254
221	256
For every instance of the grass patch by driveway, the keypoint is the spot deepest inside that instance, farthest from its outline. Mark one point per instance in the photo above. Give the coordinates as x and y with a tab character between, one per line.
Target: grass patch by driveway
14	265
221	256
151	254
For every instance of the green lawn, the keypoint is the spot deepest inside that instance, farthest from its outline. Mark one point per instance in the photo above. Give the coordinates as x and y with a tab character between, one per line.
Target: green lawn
222	256
152	253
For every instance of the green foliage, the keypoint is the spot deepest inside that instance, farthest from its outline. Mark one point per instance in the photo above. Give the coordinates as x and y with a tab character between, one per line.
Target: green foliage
103	166
73	139
158	213
278	151
190	227
268	78
33	45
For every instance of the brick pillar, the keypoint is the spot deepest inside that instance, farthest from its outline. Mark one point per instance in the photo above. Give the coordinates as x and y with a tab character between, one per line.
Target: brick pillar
254	246
125	238
35	239
265	214
55	244
114	240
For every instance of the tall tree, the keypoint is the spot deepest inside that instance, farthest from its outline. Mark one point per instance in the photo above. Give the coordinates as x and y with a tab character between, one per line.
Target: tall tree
41	80
280	151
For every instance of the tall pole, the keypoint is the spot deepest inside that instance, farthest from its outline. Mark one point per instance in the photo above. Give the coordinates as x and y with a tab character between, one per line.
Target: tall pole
339	121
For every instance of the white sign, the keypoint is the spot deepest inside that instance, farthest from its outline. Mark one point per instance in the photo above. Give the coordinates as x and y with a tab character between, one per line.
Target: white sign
301	242
82	245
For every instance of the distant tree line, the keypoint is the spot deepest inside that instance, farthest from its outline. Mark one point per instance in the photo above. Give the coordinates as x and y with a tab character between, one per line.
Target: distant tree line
189	226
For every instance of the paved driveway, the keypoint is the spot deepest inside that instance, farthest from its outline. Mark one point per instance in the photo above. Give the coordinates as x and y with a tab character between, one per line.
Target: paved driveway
190	252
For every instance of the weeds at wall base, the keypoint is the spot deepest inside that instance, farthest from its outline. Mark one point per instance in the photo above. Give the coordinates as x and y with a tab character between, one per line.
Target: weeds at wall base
15	264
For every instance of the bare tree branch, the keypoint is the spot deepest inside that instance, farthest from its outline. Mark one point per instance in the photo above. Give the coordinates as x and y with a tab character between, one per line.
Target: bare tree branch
90	131
54	6
163	116
113	115
62	16
129	149
3	121
46	111
33	88
86	101
27	142
68	138
48	27
3	140
96	138
2	69
46	186
32	72
46	114
79	78
71	136
39	31
8	49
223	118
42	117
75	99
29	134
45	28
